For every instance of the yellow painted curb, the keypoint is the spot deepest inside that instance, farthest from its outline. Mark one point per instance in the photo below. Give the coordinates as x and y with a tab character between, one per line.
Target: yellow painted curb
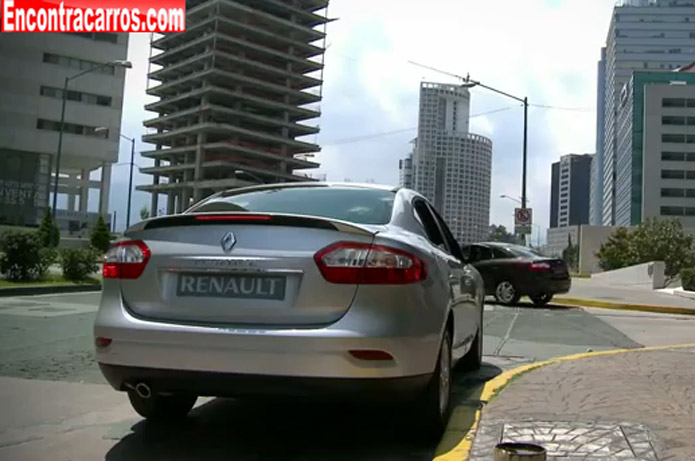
627	307
458	439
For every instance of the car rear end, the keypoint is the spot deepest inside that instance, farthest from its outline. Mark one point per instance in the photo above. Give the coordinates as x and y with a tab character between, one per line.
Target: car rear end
545	276
244	295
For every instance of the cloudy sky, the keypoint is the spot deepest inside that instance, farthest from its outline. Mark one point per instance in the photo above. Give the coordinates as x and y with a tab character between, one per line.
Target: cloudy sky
544	49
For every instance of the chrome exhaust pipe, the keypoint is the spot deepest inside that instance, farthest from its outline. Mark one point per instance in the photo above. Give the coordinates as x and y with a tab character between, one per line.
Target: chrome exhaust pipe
143	390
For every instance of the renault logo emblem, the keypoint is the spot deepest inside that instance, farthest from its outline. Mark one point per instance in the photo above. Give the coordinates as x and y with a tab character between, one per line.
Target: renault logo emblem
228	242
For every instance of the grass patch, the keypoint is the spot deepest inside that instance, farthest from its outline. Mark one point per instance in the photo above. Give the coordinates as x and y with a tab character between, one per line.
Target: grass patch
48	280
580	276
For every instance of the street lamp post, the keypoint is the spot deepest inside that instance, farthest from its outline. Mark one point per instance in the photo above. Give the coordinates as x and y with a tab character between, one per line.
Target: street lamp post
117	63
468	83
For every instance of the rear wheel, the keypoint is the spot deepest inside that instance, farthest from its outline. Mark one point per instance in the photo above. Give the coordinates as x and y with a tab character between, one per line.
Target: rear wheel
542	299
162	407
434	409
506	293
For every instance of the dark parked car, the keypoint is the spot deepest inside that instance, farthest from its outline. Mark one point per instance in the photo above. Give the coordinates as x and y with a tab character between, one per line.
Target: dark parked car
512	271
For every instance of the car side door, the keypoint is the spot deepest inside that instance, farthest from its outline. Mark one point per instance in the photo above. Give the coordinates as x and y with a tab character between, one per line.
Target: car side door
466	284
440	252
482	259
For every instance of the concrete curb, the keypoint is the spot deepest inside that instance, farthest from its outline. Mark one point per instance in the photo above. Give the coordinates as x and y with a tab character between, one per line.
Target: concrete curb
624	306
48	289
465	419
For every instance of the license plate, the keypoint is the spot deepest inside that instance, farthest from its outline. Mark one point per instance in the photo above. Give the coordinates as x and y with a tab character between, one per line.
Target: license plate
231	286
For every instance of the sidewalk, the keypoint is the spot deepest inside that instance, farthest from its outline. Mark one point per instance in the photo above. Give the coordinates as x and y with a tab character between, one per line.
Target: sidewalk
628	406
593	290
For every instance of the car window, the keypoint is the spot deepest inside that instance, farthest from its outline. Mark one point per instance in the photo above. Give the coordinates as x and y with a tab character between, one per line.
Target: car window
429	224
499	253
479	253
354	204
451	243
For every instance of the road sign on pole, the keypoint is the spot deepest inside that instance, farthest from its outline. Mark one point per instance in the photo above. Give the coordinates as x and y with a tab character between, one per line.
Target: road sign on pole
523	220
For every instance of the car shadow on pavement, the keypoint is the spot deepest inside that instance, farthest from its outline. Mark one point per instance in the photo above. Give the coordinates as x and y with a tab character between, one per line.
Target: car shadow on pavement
228	429
249	430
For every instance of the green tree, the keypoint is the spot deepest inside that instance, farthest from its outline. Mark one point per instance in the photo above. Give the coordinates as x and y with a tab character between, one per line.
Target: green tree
653	240
100	237
49	234
144	213
616	252
571	254
23	258
664	240
500	234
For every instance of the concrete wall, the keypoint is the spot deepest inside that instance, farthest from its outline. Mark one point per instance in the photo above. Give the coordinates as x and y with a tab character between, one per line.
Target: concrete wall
649	276
590	240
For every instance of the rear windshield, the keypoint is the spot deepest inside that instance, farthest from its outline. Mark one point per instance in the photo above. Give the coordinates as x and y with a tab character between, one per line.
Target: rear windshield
523	252
358	205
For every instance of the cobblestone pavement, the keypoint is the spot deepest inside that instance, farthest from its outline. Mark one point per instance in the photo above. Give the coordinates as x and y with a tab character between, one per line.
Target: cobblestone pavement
638	405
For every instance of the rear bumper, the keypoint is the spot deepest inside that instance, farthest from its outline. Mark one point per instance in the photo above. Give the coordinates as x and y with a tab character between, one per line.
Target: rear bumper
241	385
548	286
412	338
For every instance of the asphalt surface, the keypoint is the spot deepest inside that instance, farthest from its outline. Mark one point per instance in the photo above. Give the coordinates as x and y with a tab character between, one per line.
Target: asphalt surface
56	399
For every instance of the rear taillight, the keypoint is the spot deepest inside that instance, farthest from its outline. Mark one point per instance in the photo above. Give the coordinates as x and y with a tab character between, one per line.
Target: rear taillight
540	267
126	260
361	263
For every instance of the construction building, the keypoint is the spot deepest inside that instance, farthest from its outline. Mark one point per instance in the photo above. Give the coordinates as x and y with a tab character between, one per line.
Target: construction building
236	93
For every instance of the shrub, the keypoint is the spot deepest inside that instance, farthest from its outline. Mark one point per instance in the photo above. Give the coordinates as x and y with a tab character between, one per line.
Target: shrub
78	263
23	259
49	233
688	279
101	236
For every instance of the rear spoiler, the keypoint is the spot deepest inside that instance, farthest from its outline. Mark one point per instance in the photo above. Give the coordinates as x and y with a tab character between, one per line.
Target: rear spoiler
249	218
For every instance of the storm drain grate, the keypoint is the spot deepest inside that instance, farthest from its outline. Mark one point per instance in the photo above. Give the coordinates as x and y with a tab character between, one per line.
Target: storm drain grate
569	440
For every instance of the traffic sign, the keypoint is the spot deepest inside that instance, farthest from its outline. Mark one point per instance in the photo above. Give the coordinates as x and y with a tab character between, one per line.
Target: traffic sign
523	220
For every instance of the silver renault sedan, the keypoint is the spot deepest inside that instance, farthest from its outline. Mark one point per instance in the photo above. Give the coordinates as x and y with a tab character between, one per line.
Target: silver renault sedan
306	289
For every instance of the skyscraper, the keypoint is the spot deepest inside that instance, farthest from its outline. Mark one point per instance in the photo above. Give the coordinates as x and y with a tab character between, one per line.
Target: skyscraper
450	165
596	183
235	93
644	35
656	149
569	190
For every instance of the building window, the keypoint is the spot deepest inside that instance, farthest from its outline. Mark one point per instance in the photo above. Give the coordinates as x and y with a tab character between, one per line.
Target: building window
75	63
678	120
690	193
673	156
672	211
673	192
672	174
678	138
102	37
72	128
678	102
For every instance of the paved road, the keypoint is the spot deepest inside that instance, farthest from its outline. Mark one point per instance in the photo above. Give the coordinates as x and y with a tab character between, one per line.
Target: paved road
57	401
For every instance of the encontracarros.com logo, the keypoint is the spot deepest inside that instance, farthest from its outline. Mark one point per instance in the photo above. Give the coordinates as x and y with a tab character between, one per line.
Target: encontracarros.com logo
160	16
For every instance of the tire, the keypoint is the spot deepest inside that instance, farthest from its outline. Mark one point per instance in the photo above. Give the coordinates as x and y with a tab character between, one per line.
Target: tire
162	408
473	359
435	407
542	299
506	293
